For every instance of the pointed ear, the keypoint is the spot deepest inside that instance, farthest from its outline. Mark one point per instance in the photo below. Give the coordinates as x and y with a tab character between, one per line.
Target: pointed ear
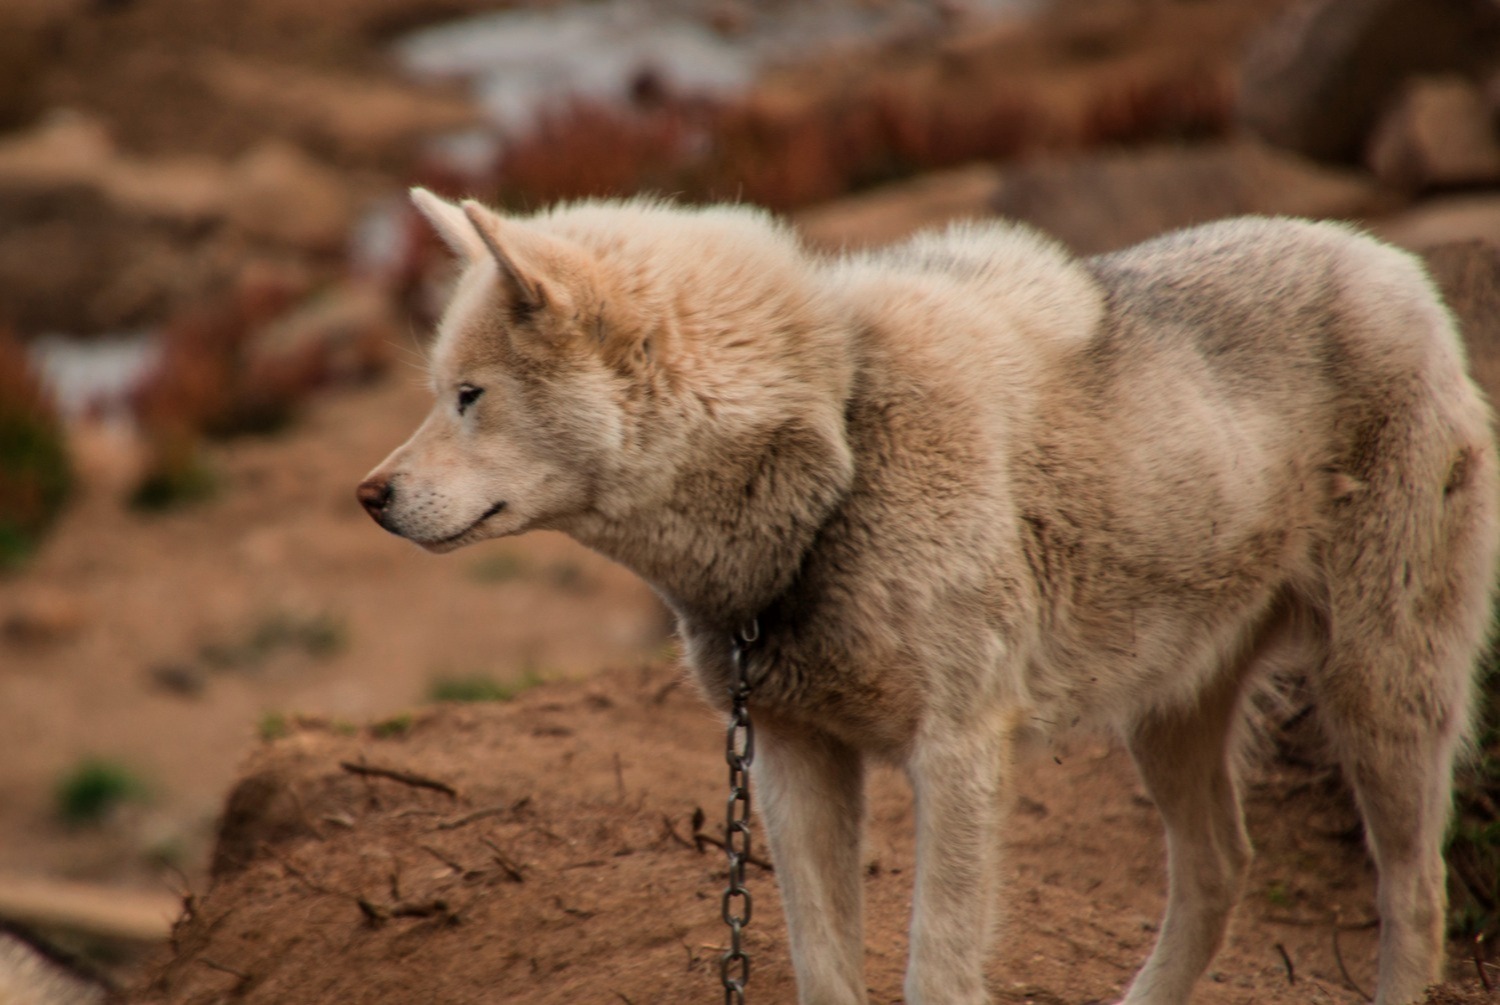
507	244
450	223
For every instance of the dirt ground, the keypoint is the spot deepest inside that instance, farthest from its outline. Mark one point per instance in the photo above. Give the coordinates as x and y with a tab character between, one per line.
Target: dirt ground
561	868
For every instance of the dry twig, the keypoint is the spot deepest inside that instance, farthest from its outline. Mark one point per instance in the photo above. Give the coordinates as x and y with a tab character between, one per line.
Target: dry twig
397	775
468	818
1348	926
243	977
301	876
671	830
1291	973
1479	964
1338	957
421	909
701	838
511	868
447	860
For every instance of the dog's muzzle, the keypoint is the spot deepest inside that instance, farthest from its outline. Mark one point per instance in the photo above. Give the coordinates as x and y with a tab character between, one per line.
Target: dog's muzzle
375	495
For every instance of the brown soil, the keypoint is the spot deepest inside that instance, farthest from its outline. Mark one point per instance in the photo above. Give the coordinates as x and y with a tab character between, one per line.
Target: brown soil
563	869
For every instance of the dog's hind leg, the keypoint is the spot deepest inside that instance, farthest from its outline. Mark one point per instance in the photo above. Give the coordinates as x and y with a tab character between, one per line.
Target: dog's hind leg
1186	760
1409	572
1394	696
811	789
959	776
1398	761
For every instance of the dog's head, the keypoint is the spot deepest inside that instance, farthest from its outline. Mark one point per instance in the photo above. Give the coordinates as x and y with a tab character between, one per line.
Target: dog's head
528	369
665	384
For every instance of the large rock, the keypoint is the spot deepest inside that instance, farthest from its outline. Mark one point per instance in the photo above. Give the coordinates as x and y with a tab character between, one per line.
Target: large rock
274	192
94	238
338	115
890	212
1468	273
343	337
280	194
1318	79
1441	221
28	30
1441	132
71	154
1103	202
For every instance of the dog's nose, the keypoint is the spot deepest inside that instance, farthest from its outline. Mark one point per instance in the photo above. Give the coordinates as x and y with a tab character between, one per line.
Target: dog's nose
374	495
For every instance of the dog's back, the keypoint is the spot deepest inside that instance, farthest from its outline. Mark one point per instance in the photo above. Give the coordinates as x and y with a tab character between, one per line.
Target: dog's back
1190	429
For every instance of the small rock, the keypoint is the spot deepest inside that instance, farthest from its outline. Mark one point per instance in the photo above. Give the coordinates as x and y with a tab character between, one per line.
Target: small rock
43	616
178	678
1103	202
1439	133
280	194
1031	807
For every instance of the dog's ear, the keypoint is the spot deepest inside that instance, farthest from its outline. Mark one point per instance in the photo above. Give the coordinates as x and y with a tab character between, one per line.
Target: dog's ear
450	223
518	251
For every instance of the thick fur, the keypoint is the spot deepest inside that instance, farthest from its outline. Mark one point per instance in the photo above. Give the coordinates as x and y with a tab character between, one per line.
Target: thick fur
28	978
972	487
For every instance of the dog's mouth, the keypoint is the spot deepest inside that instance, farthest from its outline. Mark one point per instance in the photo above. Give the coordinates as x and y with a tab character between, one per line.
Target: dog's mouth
452	541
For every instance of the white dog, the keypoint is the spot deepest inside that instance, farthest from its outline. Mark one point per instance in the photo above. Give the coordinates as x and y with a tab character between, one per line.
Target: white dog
970	485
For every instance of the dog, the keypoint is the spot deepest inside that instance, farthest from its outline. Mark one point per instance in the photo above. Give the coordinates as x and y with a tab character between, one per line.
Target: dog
971	485
27	977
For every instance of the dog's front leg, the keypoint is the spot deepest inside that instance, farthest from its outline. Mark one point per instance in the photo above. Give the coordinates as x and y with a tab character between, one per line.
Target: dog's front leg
812	797
959	773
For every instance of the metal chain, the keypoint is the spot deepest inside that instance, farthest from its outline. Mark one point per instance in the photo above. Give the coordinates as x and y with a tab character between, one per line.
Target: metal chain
739	751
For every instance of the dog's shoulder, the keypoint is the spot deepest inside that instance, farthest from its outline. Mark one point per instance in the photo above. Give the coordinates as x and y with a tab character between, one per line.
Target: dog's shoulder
1001	278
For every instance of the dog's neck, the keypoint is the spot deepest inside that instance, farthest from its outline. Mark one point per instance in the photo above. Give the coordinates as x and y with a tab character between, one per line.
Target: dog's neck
732	535
742	450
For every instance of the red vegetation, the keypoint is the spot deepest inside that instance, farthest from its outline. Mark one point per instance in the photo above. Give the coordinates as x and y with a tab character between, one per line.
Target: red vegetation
34	473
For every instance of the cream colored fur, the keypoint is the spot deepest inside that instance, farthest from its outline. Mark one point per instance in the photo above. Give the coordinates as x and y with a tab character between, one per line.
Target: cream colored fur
970	486
27	978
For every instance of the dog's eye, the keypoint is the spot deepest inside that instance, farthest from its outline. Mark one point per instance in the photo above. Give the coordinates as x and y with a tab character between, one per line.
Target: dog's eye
467	395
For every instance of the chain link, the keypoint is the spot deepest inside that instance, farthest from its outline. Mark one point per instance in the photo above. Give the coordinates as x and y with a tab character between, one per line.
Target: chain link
739	751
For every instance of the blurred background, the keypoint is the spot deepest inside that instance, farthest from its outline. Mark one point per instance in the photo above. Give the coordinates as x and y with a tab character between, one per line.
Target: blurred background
213	298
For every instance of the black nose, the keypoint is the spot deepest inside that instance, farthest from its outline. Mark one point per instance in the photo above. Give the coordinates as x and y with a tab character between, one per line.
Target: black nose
375	495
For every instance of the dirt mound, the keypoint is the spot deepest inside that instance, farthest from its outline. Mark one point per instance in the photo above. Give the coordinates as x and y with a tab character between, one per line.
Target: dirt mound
543	851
